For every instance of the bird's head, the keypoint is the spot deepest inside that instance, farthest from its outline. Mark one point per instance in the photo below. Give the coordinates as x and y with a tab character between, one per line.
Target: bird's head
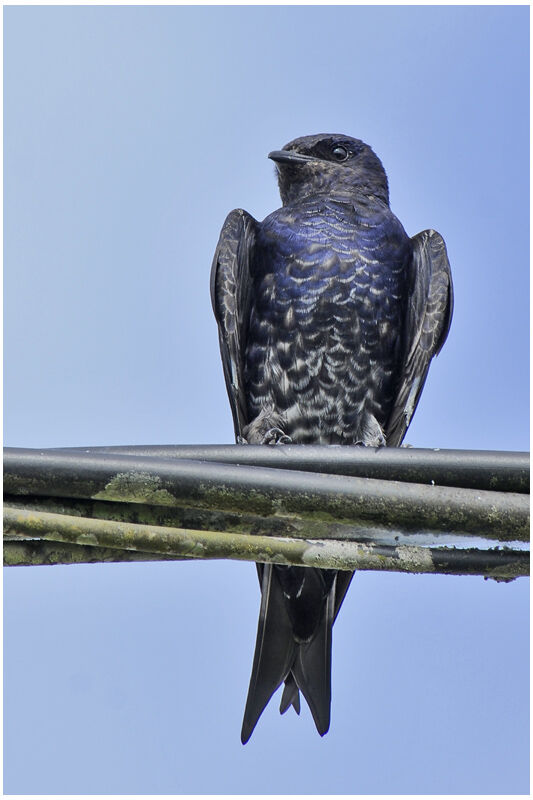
329	163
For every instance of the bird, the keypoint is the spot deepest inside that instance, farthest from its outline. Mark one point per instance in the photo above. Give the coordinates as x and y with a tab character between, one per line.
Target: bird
328	317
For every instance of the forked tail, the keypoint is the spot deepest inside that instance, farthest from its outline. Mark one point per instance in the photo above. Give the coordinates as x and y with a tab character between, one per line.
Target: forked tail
298	608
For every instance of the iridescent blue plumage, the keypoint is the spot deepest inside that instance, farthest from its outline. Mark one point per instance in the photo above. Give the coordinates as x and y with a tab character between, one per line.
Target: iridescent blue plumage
329	287
329	316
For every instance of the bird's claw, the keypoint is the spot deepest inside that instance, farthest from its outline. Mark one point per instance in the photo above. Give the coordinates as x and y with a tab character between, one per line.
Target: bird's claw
276	436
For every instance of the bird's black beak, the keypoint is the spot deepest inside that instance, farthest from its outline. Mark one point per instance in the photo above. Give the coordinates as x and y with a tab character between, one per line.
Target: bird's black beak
288	157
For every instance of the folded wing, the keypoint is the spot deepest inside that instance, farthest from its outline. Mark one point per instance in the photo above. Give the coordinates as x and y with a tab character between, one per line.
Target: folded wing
429	315
231	296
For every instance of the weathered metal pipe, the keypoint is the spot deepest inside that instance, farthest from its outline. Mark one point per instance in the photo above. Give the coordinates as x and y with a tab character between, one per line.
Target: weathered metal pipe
501	565
291	526
266	492
38	553
492	470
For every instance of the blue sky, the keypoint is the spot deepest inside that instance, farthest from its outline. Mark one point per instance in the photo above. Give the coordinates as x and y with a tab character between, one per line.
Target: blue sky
130	133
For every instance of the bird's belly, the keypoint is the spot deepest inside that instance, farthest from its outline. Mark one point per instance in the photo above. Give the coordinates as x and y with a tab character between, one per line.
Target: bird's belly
322	360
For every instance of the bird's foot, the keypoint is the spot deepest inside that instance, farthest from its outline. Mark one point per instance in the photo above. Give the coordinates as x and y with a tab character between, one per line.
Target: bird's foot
276	436
241	440
371	432
378	442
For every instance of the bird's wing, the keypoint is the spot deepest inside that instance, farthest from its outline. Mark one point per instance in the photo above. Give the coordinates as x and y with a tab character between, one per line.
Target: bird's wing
429	314
231	286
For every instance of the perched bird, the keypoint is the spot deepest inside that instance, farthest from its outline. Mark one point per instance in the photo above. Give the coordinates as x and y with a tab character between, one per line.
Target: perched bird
328	317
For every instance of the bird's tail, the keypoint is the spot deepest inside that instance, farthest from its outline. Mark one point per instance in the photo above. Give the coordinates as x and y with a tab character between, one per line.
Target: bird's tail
298	608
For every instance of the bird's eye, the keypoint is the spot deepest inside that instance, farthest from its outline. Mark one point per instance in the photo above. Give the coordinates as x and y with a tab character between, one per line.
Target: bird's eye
339	153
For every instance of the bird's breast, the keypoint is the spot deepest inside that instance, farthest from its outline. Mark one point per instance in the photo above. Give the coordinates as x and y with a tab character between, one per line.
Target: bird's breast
315	262
326	317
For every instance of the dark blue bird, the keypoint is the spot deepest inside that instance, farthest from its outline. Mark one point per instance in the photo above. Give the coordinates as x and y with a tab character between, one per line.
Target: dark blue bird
328	317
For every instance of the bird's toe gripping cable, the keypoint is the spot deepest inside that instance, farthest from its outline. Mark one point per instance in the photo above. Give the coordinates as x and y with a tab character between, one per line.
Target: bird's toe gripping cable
276	436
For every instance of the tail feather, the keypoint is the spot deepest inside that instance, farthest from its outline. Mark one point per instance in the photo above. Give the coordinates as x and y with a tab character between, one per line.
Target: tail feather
274	651
290	696
344	579
291	693
296	602
312	667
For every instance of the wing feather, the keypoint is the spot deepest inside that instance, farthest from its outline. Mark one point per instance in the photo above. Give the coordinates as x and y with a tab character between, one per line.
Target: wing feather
231	288
429	315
